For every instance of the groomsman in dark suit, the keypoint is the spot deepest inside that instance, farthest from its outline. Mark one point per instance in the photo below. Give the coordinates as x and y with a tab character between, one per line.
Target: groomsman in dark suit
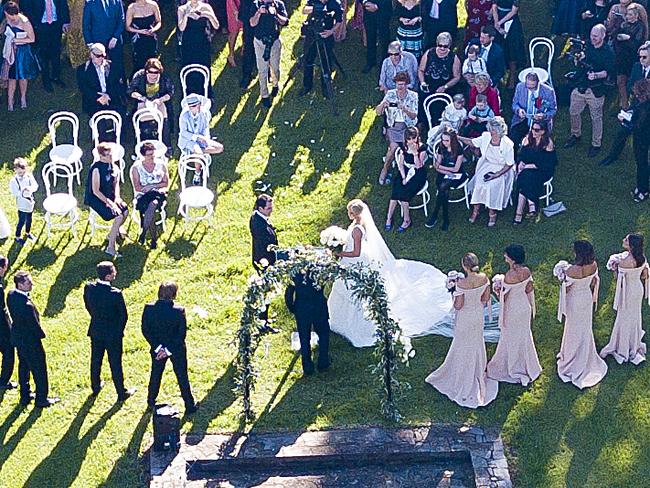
164	326
6	348
108	317
263	234
27	336
103	22
50	18
309	305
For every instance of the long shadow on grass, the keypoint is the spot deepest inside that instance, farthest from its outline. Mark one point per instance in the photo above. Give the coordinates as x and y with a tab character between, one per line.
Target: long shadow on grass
66	458
9	446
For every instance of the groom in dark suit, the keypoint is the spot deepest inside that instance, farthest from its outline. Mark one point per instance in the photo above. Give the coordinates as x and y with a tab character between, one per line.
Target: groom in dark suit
309	305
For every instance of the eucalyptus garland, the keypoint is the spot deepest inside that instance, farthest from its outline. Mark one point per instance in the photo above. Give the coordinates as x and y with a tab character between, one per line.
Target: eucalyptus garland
366	286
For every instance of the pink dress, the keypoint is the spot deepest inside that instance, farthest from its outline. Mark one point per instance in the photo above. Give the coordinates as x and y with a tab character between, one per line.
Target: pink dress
232	7
625	343
578	361
515	360
462	375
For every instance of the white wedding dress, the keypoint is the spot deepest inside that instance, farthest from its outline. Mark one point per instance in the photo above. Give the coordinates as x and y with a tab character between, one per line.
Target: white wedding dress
417	294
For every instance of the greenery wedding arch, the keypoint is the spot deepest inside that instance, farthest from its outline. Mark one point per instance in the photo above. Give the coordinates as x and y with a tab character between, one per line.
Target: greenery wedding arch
366	286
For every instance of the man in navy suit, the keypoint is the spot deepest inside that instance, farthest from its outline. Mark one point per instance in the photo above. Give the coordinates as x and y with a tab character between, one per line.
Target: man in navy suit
103	22
6	347
108	317
493	55
27	336
50	18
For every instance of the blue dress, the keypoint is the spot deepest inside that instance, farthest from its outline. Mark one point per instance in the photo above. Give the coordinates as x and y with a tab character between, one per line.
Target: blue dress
25	65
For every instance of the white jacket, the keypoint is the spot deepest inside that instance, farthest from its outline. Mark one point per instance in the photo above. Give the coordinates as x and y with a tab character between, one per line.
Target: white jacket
23	189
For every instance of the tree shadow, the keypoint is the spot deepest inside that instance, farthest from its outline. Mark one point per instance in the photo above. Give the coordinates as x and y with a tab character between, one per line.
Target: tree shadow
9	446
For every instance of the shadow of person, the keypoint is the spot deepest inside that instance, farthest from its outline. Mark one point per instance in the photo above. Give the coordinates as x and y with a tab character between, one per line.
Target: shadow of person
9	446
66	458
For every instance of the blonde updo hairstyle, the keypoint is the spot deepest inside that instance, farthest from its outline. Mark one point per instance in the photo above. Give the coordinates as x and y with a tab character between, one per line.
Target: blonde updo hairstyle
356	207
470	262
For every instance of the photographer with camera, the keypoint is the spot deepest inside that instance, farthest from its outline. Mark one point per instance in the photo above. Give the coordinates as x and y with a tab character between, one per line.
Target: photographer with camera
595	65
268	19
323	16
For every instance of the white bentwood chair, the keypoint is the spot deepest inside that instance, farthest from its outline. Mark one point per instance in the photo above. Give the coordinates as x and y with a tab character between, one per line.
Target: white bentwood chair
61	204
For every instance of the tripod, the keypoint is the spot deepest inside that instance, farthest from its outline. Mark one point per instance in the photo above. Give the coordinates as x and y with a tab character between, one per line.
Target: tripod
325	66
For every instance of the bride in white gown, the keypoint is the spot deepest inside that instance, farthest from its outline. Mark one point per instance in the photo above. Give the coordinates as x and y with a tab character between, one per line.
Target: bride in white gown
417	294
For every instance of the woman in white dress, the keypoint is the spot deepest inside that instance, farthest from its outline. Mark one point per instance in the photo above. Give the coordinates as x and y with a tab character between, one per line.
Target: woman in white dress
417	293
494	177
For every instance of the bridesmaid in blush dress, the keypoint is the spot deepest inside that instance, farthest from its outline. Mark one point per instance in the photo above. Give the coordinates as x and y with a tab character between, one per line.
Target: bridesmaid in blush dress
578	361
462	375
631	269
515	360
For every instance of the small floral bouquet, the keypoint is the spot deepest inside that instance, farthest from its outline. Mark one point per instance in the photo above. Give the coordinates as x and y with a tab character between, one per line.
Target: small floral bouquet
334	237
497	283
615	259
559	270
452	278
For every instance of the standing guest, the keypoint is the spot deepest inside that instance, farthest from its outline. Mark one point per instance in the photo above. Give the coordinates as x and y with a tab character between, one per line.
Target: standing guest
482	85
150	179
309	306
493	179
616	16
462	376
640	124
439	16
23	185
627	40
473	64
440	68
566	18
103	195
50	19
27	336
376	22
108	317
578	360
533	101
409	28
19	62
449	175
505	15
401	109
143	21
234	27
593	12
515	360
537	160
103	23
631	270
246	11
101	85
591	90
164	326
396	62
493	54
268	19
6	347
411	178
479	13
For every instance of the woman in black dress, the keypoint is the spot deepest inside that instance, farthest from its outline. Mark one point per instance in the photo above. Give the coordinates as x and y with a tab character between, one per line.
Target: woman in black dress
450	175
505	14
103	194
411	178
143	21
537	161
632	33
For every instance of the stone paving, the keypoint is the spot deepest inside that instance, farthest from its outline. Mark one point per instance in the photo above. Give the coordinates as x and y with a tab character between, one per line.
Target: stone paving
436	456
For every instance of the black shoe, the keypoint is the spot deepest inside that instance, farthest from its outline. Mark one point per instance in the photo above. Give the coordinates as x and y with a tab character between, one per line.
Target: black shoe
267	329
274	91
243	84
444	226
431	223
266	102
192	408
26	401
95	391
571	141
143	236
9	385
367	69
303	91
20	241
153	244
593	151
607	161
321	369
47	86
48	402
126	394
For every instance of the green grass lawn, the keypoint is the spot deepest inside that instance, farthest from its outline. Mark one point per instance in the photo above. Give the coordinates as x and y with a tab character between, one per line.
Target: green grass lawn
557	435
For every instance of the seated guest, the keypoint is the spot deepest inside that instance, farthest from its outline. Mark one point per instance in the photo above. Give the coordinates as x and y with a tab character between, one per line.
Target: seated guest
152	85
194	132
103	194
164	326
449	168
396	62
411	178
453	117
492	182
532	101
150	182
473	64
482	85
401	109
537	161
493	55
477	117
101	86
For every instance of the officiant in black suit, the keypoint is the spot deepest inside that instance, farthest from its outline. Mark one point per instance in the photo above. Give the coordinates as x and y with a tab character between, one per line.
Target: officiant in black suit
108	317
27	336
263	234
6	347
309	306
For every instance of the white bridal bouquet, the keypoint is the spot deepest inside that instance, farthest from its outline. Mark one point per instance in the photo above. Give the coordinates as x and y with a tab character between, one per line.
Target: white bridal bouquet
559	270
497	283
615	259
333	237
452	278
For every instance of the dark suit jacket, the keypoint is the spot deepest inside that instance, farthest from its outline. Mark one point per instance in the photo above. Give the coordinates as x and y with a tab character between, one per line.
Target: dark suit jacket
107	310
305	301
26	329
164	323
496	63
5	321
34	10
263	234
88	82
635	75
100	25
447	17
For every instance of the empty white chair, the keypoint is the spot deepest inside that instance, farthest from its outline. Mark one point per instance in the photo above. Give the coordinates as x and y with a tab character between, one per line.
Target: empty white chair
61	205
66	154
115	120
544	74
443	98
194	197
197	69
148	115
